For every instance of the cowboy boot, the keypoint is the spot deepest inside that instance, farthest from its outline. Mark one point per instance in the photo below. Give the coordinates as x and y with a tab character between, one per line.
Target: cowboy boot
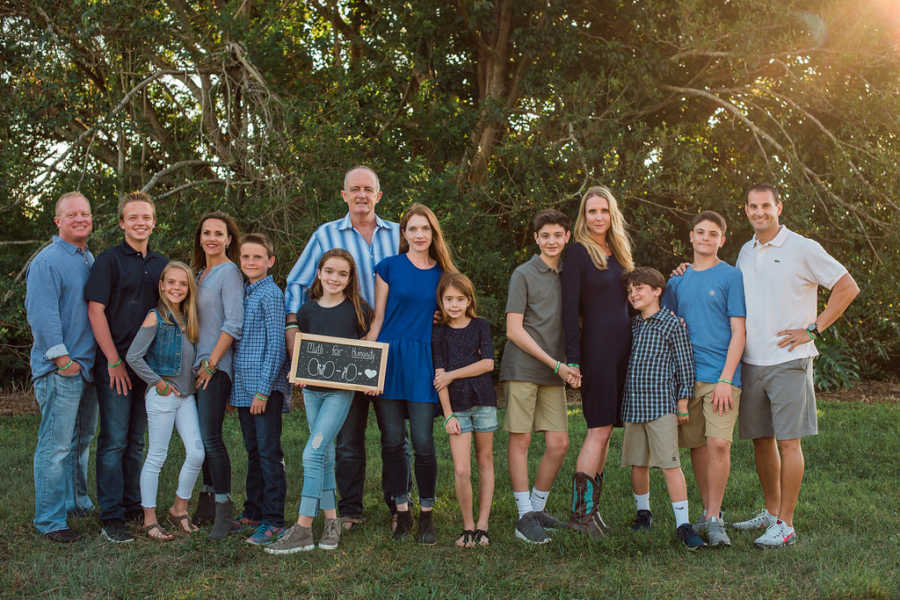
598	487
583	507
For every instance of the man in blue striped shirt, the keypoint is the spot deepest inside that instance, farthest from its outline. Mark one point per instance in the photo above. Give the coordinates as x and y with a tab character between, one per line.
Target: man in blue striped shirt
369	239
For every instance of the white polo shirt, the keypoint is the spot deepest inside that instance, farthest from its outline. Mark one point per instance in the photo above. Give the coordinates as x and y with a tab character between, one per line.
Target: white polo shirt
781	280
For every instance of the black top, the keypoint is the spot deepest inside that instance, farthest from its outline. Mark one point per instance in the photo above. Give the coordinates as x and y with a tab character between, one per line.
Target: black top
127	283
456	348
335	321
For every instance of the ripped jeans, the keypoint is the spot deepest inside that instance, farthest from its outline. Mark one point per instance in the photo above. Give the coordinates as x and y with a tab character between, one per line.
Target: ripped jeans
326	411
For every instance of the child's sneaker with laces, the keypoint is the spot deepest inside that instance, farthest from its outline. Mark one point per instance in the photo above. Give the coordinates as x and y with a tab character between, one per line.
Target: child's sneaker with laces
778	535
763	520
265	534
689	537
331	535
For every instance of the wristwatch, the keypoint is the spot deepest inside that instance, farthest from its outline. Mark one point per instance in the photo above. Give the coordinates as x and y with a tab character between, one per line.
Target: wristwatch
814	329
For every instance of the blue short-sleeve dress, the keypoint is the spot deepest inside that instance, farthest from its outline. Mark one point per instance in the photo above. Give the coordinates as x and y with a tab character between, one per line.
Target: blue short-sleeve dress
408	317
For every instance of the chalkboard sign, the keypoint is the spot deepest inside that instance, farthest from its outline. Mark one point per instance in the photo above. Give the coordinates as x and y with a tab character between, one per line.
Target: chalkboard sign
342	363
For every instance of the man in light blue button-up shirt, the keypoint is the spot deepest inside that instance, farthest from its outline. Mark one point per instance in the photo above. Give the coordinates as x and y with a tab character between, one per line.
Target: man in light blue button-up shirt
61	361
369	239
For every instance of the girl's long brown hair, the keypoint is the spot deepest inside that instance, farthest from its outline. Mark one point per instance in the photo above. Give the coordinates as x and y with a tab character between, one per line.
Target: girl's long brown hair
233	251
461	283
616	237
188	305
351	292
438	249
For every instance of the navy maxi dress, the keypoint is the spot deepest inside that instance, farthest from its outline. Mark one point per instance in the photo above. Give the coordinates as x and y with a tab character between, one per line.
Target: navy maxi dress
598	332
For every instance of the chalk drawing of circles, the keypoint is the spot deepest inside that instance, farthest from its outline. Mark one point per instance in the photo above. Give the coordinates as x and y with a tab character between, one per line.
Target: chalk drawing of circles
370	373
312	367
350	372
327	370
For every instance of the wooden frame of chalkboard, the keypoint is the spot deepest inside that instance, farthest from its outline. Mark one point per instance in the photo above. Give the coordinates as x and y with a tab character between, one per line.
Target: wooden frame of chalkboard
324	362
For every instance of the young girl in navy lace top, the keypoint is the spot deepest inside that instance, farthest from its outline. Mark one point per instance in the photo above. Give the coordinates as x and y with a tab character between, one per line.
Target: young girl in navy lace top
463	361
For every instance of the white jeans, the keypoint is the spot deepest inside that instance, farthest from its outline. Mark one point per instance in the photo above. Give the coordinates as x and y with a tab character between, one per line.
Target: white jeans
162	413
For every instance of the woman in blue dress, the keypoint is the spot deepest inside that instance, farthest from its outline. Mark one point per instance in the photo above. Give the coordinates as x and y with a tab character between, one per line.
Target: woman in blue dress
598	339
405	302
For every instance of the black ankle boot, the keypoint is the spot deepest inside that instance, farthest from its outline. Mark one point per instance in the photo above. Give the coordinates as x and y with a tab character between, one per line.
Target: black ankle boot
404	524
425	534
222	525
206	509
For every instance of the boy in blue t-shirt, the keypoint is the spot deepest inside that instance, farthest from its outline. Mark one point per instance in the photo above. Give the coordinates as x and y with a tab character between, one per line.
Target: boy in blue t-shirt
709	296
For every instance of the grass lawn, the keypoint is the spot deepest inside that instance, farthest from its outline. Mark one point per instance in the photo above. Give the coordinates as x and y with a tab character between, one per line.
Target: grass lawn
848	522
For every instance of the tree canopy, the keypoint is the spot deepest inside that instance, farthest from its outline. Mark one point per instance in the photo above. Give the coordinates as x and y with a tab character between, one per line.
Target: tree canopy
484	110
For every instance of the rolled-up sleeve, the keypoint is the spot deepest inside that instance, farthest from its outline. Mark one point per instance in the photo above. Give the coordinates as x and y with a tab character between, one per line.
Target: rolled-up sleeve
233	303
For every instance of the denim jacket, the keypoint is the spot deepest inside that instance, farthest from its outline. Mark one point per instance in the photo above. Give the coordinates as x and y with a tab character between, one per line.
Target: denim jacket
164	355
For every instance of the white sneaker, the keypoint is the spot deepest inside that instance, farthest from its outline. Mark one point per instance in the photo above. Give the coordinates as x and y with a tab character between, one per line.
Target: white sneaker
778	535
763	520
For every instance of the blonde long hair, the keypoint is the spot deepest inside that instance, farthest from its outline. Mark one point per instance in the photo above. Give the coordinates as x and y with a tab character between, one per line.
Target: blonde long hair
188	305
438	249
616	237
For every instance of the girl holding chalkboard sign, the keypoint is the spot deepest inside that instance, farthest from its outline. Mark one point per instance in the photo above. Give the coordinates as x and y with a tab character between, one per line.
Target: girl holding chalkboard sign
405	287
334	308
463	361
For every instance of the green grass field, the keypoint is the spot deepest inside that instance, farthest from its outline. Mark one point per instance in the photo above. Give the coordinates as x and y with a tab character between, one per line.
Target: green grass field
848	522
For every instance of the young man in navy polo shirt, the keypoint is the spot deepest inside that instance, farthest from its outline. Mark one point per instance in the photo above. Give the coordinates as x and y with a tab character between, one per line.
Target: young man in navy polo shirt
122	287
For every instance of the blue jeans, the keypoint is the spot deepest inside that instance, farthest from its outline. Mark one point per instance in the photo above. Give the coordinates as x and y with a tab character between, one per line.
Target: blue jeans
266	485
68	420
211	405
326	411
391	414
120	445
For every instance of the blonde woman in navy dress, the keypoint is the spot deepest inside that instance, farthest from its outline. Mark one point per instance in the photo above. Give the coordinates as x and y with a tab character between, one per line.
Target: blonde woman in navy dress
405	302
598	338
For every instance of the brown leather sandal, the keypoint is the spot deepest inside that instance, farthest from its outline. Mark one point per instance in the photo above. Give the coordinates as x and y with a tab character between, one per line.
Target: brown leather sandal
162	534
178	522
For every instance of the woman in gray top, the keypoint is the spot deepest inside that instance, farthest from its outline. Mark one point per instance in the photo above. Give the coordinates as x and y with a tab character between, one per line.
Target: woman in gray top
220	306
162	354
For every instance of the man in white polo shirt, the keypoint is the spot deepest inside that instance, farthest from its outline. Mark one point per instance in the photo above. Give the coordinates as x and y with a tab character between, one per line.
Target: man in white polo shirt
782	271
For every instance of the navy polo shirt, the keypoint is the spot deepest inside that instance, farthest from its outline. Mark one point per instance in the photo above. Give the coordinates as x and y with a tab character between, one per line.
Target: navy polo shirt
127	283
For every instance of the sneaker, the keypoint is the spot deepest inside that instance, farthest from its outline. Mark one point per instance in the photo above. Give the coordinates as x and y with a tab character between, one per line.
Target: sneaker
642	520
529	529
547	521
778	535
115	531
265	534
242	521
63	536
702	523
715	532
331	535
689	537
763	520
294	539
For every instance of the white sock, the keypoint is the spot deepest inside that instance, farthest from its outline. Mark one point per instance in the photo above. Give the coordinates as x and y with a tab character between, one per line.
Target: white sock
539	498
523	503
681	512
642	501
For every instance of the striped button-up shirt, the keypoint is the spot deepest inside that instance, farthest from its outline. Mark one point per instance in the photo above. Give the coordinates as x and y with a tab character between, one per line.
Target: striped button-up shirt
341	234
661	367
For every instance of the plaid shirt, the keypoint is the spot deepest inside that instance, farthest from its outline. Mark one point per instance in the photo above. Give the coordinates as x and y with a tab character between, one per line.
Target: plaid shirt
260	364
661	367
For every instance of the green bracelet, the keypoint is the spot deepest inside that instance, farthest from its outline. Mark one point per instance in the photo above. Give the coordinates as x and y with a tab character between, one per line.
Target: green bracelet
205	365
114	365
684	414
810	334
165	392
723	380
574	365
69	364
260	397
556	368
291	326
452	416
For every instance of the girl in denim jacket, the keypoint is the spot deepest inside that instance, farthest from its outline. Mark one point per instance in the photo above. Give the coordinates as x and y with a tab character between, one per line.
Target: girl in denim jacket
162	354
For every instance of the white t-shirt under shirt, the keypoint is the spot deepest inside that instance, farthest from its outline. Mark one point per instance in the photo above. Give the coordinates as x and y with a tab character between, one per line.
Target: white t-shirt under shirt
781	280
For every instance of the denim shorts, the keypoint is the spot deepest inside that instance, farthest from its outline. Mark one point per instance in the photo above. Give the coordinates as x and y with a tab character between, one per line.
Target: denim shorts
481	419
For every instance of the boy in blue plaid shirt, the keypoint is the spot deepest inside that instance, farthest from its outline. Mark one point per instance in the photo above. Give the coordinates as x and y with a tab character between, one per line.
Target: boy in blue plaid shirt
261	389
660	376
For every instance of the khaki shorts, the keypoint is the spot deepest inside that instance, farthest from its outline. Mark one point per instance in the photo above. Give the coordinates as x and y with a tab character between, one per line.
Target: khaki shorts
652	444
778	401
705	422
532	407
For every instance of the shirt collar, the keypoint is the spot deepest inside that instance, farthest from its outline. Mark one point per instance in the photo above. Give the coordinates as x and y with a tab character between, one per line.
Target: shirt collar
543	267
127	249
252	287
778	240
346	224
68	246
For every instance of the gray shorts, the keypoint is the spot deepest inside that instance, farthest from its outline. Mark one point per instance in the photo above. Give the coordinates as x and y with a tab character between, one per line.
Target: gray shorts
778	401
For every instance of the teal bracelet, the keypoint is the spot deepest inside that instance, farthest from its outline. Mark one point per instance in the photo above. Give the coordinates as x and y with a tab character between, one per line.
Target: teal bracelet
291	326
69	364
113	365
810	334
556	368
723	380
452	416
260	397
574	365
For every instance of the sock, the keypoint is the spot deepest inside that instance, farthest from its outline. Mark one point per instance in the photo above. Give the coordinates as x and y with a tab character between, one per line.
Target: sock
207	489
538	498
681	513
642	501
523	503
222	498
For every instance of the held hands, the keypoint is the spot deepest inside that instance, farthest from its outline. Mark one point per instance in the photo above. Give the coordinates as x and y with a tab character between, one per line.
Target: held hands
721	398
118	378
451	425
683	415
441	379
164	388
793	338
204	374
571	375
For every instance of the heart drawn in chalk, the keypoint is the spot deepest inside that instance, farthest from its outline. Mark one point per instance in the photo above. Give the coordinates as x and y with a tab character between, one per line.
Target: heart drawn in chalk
370	373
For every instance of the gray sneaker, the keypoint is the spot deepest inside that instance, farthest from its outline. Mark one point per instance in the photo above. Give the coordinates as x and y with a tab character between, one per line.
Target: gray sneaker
331	535
715	532
702	523
295	539
547	520
763	520
529	529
